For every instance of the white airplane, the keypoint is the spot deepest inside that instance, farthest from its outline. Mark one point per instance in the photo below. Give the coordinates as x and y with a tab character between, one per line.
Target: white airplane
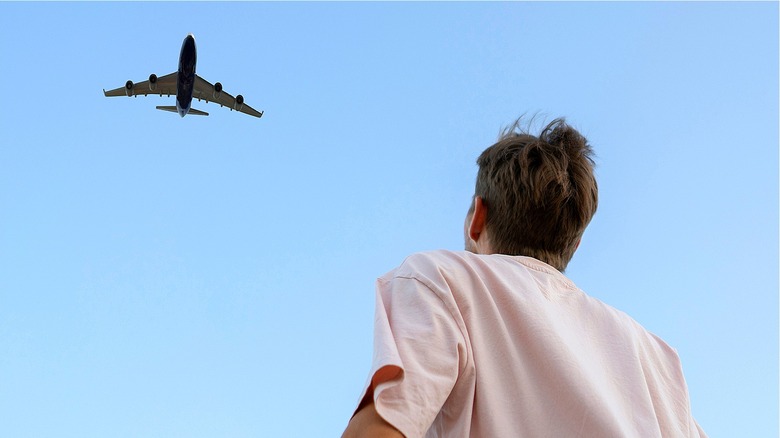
185	85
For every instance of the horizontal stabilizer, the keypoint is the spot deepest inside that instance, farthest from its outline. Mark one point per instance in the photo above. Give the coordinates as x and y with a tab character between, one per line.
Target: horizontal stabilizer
197	112
174	110
168	108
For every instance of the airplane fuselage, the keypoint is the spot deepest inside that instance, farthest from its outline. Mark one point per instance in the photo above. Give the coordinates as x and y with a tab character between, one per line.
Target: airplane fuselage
185	83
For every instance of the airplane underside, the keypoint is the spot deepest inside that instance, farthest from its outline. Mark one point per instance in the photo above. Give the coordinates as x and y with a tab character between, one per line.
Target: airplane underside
186	86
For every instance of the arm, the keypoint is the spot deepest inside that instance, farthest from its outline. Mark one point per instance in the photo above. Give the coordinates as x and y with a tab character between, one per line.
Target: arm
368	423
416	357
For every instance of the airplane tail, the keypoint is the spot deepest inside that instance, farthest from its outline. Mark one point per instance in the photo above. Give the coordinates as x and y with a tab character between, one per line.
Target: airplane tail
174	110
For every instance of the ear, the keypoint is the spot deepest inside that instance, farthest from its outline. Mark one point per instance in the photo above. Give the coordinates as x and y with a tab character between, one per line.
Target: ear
477	225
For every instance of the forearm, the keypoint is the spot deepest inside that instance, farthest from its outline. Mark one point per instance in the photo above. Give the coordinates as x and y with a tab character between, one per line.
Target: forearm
368	423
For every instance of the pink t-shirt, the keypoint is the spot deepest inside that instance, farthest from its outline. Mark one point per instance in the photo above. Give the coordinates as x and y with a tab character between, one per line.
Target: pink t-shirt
469	345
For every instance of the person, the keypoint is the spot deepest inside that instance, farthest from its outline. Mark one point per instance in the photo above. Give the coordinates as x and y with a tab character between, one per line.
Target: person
495	341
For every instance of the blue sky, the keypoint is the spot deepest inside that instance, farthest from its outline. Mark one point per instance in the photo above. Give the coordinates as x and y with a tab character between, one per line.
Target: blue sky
214	276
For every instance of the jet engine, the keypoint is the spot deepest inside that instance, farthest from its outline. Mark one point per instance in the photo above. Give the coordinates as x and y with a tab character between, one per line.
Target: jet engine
152	82
129	88
217	90
239	103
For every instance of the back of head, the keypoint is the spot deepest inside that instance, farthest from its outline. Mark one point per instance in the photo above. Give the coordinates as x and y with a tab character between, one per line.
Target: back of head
540	192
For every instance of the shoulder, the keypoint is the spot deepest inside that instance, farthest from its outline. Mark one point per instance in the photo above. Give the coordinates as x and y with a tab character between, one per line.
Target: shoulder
435	263
648	345
443	262
436	258
450	270
434	269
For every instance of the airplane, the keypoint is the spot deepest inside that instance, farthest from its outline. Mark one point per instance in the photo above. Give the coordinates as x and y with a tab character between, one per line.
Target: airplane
186	85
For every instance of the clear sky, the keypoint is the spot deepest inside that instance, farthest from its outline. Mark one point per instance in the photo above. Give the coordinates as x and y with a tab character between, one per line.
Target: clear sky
214	276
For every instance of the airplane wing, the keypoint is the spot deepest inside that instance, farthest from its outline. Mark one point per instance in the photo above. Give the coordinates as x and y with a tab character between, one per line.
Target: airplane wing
204	90
165	85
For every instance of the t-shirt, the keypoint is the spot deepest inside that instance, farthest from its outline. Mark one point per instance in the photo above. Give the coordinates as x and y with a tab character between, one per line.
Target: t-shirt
469	345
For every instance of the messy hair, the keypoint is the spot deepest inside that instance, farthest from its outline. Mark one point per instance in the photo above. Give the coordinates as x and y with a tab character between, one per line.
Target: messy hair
540	191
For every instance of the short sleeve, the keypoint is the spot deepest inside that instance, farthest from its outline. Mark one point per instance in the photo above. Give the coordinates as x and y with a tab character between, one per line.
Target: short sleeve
417	354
